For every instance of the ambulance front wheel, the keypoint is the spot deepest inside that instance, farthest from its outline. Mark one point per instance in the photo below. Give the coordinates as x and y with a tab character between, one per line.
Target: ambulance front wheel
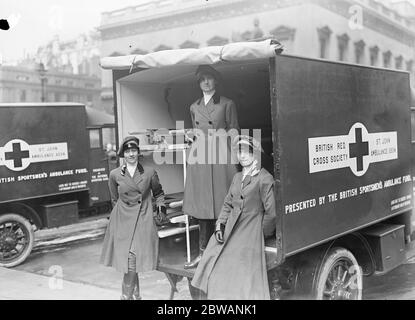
16	239
340	277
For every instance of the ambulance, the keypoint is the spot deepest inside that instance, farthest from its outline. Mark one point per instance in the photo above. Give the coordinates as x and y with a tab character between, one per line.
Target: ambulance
53	171
338	138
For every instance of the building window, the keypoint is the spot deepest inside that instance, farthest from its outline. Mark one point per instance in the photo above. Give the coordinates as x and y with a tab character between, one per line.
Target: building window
94	138
413	126
138	51
58	81
116	54
387	59
359	48
285	36
324	39
57	97
374	55
22	78
89	98
23	96
108	137
398	62
189	44
162	47
343	43
217	41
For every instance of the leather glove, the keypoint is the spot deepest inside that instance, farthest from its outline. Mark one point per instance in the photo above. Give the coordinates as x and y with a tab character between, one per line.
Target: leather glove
161	216
162	210
189	136
219	233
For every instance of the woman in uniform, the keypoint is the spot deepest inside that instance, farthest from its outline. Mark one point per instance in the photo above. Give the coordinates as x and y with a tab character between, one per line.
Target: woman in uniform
131	240
238	242
209	177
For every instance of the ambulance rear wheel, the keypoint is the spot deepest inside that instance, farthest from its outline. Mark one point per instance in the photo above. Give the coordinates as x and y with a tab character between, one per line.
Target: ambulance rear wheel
340	277
16	239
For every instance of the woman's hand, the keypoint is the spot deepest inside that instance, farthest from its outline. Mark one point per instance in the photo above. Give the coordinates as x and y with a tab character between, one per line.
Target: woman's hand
219	236
189	136
219	233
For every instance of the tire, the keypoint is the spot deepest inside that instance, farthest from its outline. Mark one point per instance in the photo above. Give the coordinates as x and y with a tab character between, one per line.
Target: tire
16	239
340	277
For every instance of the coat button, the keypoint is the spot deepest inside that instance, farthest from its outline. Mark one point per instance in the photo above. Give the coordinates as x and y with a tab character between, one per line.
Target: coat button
210	122
138	201
197	122
242	197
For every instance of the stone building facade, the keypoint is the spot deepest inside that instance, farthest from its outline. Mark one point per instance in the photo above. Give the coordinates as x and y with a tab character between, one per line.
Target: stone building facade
76	56
368	32
19	84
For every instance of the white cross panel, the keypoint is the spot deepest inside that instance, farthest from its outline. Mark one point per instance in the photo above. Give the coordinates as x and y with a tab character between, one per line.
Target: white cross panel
17	154
356	150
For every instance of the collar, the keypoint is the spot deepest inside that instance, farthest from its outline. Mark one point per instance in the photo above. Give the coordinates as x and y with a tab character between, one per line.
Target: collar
252	171
215	97
139	167
208	96
131	169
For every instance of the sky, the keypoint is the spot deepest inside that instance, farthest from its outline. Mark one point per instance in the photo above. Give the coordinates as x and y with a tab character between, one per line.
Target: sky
34	23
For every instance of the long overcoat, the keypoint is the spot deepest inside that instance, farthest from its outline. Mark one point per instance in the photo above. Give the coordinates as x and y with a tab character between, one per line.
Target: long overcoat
236	269
210	166
131	225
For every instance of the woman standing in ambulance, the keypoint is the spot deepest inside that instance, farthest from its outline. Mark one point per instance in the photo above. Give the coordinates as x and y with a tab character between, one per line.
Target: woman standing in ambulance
131	240
208	178
233	266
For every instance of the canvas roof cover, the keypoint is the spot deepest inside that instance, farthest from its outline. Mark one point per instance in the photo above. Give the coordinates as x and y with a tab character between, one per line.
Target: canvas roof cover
238	51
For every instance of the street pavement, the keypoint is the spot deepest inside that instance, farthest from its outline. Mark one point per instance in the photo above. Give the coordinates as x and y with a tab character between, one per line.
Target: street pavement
73	272
64	265
50	282
20	285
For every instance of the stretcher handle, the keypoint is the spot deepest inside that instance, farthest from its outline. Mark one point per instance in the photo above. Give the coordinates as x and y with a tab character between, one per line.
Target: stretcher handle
176	204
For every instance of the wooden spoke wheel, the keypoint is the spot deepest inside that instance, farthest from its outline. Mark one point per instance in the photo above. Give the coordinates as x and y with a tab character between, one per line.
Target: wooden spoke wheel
340	277
16	239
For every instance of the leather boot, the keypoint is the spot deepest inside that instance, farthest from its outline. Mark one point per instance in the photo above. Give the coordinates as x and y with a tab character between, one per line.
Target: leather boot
136	292
194	263
128	285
